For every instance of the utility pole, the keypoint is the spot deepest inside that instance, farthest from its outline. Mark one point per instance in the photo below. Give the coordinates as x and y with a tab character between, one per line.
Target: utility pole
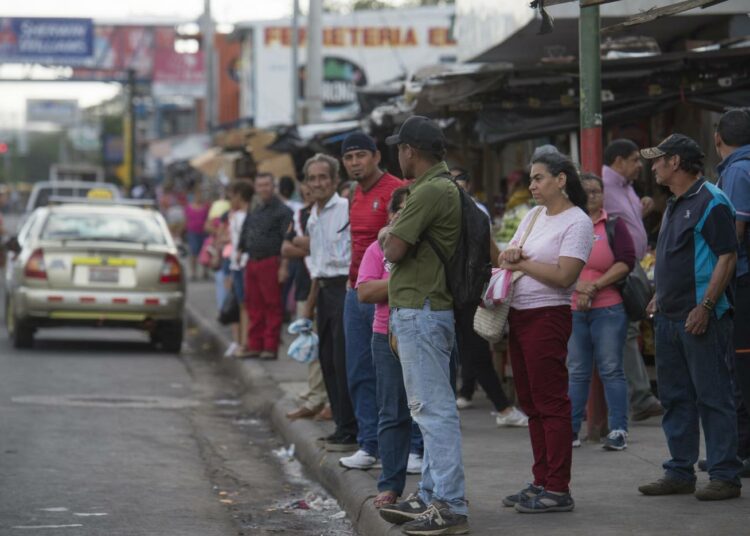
295	62
130	158
209	65
590	67
314	71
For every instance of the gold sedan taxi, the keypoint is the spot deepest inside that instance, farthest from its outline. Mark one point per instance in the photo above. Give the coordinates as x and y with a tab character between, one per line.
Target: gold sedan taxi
95	263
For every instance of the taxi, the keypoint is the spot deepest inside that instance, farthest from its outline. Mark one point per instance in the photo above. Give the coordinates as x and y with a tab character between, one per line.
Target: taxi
99	262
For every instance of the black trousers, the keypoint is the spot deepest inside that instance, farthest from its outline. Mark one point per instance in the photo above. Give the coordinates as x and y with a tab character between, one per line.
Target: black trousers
332	354
475	358
742	363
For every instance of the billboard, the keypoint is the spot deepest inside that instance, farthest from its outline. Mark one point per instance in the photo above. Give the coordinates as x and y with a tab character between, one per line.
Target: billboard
62	112
360	48
46	40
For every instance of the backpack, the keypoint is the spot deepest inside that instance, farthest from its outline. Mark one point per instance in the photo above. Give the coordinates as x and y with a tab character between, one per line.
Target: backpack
468	271
635	288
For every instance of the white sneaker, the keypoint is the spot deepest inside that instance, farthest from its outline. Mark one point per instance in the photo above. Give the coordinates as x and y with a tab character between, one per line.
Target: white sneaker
515	417
576	441
359	460
231	350
414	467
464	403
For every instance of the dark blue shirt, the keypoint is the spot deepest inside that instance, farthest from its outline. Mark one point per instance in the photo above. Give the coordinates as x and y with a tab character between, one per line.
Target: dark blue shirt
696	229
734	180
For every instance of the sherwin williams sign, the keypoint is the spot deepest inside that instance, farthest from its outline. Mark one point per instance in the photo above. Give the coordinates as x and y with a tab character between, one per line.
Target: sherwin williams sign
57	41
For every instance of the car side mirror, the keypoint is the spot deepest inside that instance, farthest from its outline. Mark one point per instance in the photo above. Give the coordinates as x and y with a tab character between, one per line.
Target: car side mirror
12	245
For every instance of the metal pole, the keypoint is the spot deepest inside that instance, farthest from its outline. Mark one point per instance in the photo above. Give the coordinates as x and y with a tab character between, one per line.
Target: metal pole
209	63
591	161
131	156
591	90
314	72
295	62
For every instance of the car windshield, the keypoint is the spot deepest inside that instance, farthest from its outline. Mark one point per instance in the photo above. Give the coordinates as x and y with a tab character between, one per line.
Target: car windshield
142	229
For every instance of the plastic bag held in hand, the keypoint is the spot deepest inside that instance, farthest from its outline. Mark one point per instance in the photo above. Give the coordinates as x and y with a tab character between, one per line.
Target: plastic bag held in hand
499	288
305	347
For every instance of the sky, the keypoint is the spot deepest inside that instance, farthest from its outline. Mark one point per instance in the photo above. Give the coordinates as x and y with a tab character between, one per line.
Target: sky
13	95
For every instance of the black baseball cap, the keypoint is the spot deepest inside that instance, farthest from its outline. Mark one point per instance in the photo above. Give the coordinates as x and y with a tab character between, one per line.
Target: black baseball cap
358	141
421	133
679	144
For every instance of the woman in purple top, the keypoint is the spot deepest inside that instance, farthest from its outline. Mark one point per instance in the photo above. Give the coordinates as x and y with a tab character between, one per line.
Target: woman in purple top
196	213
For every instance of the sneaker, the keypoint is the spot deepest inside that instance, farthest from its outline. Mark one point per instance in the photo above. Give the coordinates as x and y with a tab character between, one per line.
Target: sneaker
231	350
346	443
515	417
654	409
407	510
718	490
546	502
359	460
668	486
414	466
526	493
464	403
437	519
616	440
576	441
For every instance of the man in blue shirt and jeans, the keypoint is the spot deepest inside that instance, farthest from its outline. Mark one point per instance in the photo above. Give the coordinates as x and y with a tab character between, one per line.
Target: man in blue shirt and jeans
696	253
732	140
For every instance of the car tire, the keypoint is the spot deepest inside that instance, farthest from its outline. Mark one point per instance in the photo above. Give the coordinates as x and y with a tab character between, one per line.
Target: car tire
169	336
19	332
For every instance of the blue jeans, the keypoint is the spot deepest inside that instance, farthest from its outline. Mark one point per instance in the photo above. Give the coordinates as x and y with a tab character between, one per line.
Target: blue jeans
360	373
426	339
598	337
397	435
694	383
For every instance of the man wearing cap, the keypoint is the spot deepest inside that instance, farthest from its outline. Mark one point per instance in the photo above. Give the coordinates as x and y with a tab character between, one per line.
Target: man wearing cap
423	324
368	213
622	167
696	253
732	139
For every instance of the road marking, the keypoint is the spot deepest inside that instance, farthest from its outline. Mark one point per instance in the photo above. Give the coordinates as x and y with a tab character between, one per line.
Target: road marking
38	527
92	514
54	509
109	401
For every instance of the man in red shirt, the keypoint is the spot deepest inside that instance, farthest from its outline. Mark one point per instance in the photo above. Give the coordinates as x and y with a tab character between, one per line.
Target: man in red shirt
368	214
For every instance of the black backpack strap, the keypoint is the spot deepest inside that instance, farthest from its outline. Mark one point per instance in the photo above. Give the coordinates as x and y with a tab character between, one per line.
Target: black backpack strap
352	192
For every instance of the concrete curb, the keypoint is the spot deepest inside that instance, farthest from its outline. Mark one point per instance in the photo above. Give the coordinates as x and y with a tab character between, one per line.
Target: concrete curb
352	489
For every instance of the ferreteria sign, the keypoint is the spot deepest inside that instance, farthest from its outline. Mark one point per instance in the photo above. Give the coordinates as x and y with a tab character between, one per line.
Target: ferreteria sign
45	40
360	48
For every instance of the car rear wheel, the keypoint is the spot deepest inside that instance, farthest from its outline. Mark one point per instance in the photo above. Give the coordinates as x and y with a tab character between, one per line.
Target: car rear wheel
169	336
19	332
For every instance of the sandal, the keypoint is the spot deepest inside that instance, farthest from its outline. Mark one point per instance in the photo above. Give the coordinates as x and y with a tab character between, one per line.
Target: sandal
385	498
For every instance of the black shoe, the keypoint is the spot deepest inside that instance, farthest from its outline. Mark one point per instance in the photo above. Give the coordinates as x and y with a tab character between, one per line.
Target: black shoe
321	441
668	486
345	443
703	465
546	502
437	519
529	492
407	510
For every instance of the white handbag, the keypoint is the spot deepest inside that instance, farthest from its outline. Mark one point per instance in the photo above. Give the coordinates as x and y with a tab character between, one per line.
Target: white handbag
489	323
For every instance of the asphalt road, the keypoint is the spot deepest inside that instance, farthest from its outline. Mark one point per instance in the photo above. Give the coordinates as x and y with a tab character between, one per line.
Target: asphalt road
100	435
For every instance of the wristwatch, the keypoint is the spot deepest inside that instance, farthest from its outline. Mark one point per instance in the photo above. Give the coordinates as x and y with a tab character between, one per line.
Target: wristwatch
708	304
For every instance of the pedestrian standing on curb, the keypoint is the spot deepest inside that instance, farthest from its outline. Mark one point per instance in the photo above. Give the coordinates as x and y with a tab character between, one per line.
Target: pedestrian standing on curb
556	249
329	260
474	353
368	214
399	441
240	196
263	232
423	324
733	145
696	254
196	214
622	167
600	323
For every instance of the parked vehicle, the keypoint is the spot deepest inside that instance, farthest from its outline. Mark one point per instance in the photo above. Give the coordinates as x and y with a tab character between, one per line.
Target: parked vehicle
43	191
101	263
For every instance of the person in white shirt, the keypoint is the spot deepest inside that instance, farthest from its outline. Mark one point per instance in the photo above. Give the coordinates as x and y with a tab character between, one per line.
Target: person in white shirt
328	264
240	196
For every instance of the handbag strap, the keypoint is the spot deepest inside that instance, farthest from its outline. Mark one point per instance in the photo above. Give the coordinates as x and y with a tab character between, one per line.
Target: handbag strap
528	229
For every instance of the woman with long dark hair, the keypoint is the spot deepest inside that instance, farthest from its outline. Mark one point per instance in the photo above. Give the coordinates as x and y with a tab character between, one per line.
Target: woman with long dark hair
553	254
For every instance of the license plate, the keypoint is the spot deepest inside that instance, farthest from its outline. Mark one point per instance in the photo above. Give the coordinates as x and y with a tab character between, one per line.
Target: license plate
104	275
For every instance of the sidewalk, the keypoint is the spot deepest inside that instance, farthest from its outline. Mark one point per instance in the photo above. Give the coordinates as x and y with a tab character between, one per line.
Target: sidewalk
497	462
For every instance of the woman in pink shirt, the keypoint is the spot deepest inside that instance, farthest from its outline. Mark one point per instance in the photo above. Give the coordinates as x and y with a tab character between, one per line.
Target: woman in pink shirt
553	255
599	321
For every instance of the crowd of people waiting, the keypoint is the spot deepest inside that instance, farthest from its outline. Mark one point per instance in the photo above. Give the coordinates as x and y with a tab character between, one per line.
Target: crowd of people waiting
366	265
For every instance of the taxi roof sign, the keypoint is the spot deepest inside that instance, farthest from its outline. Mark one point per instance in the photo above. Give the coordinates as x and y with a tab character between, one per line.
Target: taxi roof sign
99	193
